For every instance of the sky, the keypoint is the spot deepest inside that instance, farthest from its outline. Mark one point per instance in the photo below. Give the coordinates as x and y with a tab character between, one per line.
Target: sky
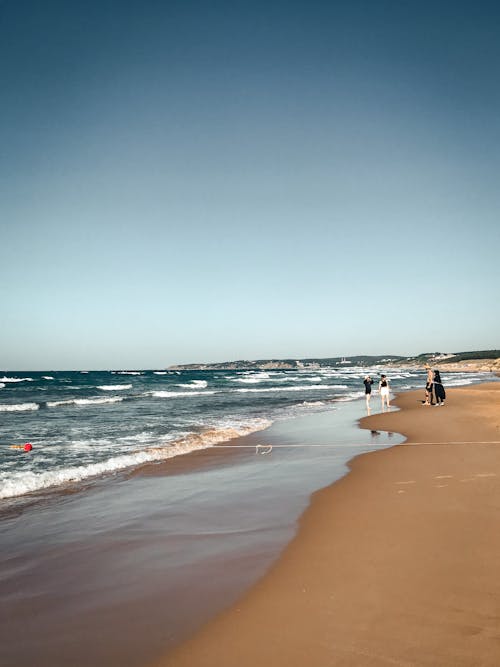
207	181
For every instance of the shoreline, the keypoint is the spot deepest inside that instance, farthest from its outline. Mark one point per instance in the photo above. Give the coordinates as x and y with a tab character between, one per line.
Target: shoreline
46	482
395	563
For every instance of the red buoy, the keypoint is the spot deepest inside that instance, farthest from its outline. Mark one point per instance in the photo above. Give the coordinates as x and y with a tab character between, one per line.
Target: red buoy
28	447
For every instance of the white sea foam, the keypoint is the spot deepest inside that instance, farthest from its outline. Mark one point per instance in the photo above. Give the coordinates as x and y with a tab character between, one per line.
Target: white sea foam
19	407
98	401
2	385
245	380
7	379
159	372
456	383
21	482
170	394
252	378
84	401
55	404
114	387
47	377
309	387
194	384
311	404
352	396
126	372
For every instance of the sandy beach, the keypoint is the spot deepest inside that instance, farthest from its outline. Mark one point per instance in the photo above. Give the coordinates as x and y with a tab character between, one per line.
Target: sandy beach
398	563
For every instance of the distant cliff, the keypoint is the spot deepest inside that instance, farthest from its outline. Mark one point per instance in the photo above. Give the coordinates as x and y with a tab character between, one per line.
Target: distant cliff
285	364
484	360
244	365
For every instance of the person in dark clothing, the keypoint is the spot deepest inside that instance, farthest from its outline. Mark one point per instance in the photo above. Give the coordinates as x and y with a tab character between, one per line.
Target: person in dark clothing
368	390
438	388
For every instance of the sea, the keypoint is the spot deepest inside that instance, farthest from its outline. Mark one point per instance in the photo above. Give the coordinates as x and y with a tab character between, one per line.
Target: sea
88	425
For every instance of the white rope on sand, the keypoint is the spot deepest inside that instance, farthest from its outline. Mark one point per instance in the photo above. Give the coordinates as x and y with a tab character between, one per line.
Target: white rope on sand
269	448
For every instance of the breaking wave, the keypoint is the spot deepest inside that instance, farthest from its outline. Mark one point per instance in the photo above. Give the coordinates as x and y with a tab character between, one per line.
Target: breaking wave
308	387
171	394
84	401
127	373
7	379
19	407
195	384
23	482
114	387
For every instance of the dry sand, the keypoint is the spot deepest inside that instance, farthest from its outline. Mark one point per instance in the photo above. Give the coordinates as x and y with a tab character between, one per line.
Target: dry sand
398	563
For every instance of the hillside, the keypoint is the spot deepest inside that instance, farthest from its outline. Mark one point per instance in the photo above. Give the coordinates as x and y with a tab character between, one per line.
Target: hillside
477	360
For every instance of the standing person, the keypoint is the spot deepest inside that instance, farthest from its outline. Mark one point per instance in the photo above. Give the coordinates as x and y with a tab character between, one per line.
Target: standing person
438	388
383	387
429	395
368	390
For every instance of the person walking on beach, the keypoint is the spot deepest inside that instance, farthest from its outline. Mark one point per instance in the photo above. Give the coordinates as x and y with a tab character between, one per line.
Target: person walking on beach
368	390
429	395
438	388
383	387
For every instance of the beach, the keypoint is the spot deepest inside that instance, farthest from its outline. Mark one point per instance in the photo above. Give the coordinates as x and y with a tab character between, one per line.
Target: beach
397	563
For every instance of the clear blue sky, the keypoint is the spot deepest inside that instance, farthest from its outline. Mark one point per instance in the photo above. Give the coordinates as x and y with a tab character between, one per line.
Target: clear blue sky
185	181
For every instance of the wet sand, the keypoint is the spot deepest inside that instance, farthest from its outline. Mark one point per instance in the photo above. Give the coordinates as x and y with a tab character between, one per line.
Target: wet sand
397	563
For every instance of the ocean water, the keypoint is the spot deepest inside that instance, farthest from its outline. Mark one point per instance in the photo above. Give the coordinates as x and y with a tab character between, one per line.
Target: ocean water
87	425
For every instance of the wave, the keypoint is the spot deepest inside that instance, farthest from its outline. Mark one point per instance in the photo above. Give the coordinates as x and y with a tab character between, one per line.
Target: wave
458	382
84	401
352	396
194	384
311	404
6	379
22	482
2	385
308	387
251	380
126	372
159	372
114	387
170	394
19	407
47	377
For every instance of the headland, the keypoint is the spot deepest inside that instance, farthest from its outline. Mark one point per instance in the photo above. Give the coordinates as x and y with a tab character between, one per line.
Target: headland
477	361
